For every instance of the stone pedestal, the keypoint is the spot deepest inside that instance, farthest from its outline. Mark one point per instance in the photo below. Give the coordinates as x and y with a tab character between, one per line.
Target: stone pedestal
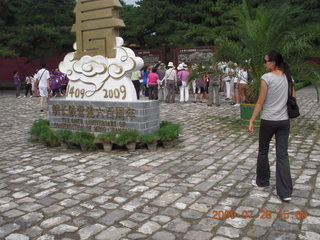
100	117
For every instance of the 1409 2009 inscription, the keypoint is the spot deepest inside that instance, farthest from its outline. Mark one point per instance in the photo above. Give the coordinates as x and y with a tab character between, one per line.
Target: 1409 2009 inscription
116	93
78	93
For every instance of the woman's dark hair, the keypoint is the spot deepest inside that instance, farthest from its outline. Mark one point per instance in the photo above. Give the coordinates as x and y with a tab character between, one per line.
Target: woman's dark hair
154	70
14	72
278	59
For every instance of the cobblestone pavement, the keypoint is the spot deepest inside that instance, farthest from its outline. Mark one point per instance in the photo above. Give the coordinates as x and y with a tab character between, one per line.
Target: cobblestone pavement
51	193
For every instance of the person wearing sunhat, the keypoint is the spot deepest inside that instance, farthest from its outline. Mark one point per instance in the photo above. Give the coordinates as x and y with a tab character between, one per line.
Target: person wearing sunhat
170	79
183	75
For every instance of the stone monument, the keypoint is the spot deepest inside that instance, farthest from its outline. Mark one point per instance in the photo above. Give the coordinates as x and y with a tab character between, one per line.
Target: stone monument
101	96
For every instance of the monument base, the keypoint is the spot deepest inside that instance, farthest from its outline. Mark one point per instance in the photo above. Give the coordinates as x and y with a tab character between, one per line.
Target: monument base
101	117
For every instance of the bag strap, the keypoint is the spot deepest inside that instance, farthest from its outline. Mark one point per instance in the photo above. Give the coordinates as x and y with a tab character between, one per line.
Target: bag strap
181	75
290	86
42	74
170	73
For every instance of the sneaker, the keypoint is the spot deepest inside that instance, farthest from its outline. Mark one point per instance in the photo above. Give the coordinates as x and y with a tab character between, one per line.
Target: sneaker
232	103
228	99
24	96
31	96
287	199
19	97
254	183
237	105
209	105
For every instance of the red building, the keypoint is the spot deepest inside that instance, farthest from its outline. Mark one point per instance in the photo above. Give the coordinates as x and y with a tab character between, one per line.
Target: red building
8	66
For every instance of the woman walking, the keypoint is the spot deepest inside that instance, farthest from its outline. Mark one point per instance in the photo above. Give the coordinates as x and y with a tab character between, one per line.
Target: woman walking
28	81
17	83
153	82
274	121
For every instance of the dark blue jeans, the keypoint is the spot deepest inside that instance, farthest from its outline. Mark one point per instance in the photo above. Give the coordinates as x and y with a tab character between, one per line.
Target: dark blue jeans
281	131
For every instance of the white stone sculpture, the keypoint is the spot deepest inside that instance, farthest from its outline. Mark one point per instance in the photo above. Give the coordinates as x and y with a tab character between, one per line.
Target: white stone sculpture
99	78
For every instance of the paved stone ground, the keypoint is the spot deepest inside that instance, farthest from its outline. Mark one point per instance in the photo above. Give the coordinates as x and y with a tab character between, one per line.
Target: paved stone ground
51	193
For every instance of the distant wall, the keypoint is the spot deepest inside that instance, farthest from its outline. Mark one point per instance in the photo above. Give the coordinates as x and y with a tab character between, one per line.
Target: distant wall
150	56
8	66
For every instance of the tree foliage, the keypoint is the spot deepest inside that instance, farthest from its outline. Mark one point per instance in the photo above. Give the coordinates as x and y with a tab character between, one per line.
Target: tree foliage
261	29
35	29
153	24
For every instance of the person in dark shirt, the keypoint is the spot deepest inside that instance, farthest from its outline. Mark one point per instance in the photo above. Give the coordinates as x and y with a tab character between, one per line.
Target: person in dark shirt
17	83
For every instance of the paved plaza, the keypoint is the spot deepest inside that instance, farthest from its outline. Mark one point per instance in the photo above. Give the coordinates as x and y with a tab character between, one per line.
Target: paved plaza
177	193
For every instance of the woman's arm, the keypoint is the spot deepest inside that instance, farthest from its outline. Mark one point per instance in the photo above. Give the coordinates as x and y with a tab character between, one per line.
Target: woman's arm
259	105
294	92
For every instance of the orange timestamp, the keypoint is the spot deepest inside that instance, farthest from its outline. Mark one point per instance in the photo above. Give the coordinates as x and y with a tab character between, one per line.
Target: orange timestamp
263	214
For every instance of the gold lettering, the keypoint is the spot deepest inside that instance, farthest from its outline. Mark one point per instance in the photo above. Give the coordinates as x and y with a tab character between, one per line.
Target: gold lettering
131	113
120	112
80	111
90	111
72	110
97	26
56	109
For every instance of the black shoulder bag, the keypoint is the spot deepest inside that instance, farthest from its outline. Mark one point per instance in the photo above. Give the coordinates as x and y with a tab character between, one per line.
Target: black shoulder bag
293	108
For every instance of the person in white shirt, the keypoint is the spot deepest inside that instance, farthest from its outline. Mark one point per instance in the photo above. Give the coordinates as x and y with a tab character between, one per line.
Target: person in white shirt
170	80
235	97
243	84
229	73
43	77
28	81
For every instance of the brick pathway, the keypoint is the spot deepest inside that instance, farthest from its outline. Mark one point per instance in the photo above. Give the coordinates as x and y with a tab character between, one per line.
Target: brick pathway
51	193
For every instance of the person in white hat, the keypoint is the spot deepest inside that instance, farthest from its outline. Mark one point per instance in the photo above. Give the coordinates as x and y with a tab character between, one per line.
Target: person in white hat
180	67
170	79
183	76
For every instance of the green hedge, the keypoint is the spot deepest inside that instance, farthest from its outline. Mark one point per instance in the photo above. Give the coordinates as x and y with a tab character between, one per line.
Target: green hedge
41	131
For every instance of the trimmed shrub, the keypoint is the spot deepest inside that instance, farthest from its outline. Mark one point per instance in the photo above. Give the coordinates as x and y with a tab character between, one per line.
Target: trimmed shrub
169	132
48	137
149	138
88	144
83	138
64	135
109	137
164	123
41	130
38	127
127	136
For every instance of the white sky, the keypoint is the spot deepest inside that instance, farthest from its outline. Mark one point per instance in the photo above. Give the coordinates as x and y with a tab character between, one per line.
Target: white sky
129	1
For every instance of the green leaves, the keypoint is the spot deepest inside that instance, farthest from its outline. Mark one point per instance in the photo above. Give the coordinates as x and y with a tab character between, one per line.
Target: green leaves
261	29
35	29
154	24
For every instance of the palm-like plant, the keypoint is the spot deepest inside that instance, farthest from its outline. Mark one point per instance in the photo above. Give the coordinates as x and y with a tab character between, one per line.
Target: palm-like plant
259	30
312	72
